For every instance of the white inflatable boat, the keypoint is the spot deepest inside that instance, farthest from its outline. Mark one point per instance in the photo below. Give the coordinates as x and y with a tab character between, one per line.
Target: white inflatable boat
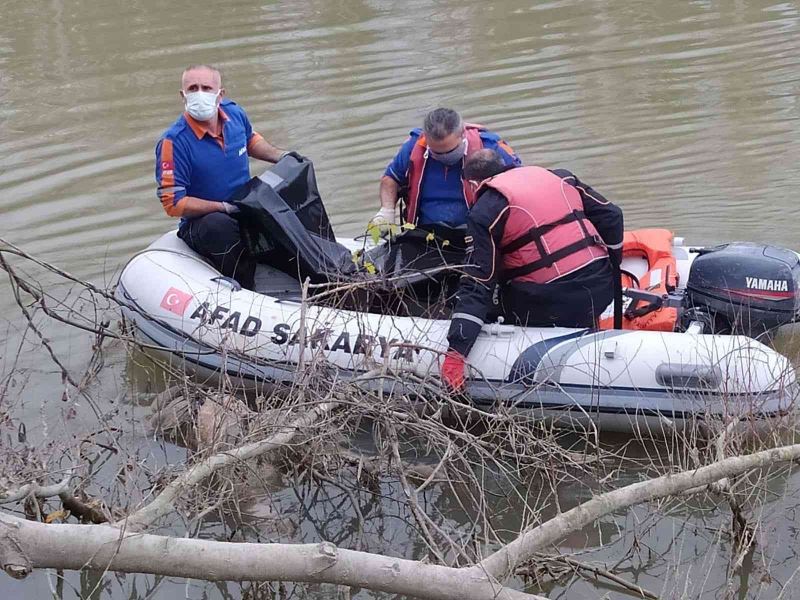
180	306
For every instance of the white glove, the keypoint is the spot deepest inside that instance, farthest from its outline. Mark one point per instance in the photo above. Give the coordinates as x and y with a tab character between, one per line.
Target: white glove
230	209
385	216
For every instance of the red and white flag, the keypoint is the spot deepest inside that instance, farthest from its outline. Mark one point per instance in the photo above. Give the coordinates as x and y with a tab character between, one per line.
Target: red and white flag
176	301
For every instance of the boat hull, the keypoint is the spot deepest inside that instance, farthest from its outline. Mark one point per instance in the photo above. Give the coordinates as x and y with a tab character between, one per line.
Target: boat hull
617	380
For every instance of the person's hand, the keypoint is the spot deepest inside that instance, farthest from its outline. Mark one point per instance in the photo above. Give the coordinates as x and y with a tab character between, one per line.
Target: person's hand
383	219
453	371
382	224
230	209
296	155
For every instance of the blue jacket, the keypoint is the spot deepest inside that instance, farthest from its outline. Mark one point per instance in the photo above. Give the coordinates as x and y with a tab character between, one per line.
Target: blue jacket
190	161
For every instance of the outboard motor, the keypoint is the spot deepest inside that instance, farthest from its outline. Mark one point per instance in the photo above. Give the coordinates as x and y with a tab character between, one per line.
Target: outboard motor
743	287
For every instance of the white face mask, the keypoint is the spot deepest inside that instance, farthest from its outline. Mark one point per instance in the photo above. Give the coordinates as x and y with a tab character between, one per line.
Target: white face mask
201	105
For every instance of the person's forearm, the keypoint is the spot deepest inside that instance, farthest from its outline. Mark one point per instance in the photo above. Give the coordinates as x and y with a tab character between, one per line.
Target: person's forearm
197	207
389	192
467	319
263	150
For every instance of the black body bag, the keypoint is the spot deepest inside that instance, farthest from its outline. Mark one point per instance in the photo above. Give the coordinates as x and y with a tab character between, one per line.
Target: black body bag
284	223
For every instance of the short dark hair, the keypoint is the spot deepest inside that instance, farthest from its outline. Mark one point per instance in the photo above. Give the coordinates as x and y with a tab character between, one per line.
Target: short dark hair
483	164
441	122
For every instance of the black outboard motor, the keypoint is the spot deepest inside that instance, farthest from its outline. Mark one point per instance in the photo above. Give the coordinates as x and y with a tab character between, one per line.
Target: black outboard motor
743	287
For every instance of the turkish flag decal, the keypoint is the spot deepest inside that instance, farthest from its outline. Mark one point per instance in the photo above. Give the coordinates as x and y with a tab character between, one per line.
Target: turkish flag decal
176	301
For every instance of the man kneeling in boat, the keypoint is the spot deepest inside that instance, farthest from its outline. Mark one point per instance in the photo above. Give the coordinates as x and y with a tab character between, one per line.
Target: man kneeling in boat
545	237
200	161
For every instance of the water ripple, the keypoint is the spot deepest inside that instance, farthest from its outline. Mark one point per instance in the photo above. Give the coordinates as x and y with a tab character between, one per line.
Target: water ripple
684	120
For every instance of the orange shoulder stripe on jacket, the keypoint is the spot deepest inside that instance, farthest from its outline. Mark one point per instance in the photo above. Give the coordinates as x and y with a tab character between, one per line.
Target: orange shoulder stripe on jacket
506	147
254	139
167	182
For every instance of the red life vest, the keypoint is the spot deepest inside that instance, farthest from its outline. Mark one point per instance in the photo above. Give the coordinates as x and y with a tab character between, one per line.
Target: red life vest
546	235
416	169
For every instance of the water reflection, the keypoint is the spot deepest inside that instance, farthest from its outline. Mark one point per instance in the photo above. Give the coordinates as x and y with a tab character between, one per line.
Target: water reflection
685	114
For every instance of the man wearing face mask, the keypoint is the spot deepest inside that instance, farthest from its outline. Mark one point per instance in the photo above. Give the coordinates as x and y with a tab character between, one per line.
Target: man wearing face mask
427	171
200	161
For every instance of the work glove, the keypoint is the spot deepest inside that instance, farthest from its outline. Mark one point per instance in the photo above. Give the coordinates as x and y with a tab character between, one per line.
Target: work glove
296	155
230	209
453	371
383	220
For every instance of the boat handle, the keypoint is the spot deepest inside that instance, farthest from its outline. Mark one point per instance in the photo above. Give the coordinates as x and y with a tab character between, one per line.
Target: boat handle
229	281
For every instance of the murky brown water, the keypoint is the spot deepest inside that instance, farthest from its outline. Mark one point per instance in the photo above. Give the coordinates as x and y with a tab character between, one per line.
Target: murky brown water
684	113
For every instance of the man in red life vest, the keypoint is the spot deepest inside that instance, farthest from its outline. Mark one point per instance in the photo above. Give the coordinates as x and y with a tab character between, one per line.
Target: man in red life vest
427	171
545	237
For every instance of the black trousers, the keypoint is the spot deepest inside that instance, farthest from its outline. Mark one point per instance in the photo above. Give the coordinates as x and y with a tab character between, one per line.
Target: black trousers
217	237
575	305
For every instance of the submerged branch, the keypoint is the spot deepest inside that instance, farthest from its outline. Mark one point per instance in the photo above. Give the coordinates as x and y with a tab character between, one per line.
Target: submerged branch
162	504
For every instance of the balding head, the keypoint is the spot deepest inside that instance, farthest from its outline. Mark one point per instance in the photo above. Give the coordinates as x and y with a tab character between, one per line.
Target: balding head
201	78
483	164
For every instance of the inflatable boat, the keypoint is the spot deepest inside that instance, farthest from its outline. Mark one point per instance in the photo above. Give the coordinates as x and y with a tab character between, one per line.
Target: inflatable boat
690	347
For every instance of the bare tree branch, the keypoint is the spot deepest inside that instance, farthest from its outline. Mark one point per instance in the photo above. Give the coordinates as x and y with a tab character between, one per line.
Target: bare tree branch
34	489
504	561
164	502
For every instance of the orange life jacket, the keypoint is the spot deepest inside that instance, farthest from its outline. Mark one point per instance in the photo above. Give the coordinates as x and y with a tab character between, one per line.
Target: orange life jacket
655	245
416	170
546	234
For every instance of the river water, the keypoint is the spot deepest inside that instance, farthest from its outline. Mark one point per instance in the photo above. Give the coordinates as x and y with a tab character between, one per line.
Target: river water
683	113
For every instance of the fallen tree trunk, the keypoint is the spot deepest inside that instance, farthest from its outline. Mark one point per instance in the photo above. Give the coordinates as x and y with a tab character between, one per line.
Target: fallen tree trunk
25	545
503	562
